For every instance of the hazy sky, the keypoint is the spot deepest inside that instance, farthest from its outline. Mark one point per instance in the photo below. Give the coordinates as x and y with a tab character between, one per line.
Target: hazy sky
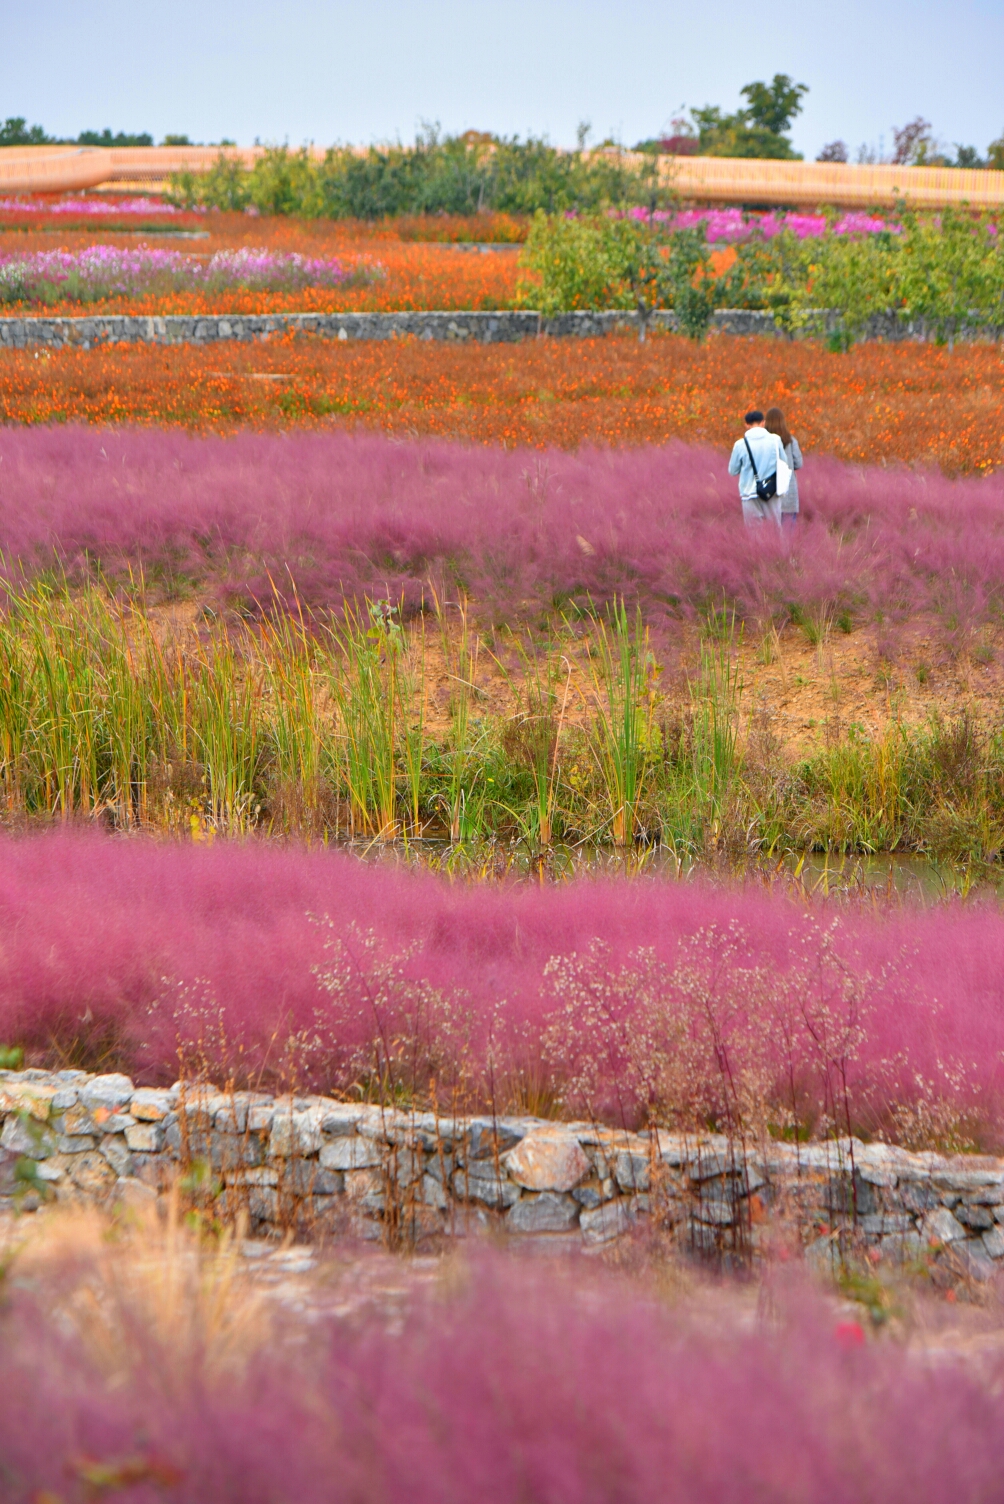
371	70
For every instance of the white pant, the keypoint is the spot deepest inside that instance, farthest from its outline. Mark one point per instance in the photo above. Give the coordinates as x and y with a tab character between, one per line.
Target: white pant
757	512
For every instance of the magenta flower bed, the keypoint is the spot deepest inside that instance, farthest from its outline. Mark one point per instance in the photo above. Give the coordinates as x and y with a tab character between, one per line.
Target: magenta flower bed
90	206
128	946
520	1384
731	225
102	271
353	516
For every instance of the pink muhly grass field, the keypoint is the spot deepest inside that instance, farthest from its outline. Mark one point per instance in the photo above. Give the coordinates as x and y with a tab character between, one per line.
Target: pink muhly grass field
346	516
516	1383
115	951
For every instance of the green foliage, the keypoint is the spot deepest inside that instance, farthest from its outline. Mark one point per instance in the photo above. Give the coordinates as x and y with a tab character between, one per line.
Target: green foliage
455	175
774	106
11	1057
327	734
946	270
602	261
758	129
120	138
581	263
16	131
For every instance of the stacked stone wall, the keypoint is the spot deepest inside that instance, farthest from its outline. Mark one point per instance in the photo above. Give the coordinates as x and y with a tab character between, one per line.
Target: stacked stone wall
317	1165
502	327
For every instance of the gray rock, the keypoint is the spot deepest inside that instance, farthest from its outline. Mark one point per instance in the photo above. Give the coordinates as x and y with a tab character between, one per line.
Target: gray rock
882	1224
918	1197
975	1261
295	1133
76	1143
227	1150
256	1175
406	1166
993	1243
353	1153
431	1193
632	1170
548	1160
607	1222
91	1173
135	1194
904	1246
146	1137
547	1211
340	1118
306	1177
487	1138
589	1196
844	1197
977	1218
715	1212
108	1092
990	1195
261	1116
76	1122
941	1227
148	1105
441	1167
263	1203
482	1182
708	1164
24	1136
116	1151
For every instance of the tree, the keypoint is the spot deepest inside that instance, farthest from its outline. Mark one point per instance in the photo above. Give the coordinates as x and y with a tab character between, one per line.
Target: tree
16	131
121	138
912	143
757	130
775	105
833	151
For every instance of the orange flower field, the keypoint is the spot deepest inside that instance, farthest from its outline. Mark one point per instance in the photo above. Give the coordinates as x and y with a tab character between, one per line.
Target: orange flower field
908	403
431	262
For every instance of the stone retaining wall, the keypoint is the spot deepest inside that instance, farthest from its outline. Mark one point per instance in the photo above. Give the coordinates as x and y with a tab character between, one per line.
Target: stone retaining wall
319	1165
505	326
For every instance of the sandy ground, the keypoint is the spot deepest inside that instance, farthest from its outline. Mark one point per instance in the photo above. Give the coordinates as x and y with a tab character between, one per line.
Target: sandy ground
811	694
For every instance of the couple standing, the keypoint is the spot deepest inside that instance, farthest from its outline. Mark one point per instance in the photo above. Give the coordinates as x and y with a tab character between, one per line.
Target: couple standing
765	460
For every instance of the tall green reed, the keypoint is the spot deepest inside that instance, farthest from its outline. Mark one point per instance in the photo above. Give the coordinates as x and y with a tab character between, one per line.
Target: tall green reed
623	672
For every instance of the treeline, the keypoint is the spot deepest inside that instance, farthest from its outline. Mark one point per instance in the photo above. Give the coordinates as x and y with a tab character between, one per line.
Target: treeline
15	131
467	174
947	270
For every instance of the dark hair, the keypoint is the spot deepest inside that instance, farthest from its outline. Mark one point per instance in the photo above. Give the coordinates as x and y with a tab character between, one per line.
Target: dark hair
754	416
774	423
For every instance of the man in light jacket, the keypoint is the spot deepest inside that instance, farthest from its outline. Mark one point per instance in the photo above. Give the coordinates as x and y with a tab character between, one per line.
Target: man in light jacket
758	456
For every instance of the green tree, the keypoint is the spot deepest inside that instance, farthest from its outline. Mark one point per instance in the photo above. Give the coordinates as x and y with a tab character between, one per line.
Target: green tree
756	130
120	138
774	106
16	131
602	262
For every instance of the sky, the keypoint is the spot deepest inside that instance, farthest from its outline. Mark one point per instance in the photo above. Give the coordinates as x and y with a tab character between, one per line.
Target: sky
375	70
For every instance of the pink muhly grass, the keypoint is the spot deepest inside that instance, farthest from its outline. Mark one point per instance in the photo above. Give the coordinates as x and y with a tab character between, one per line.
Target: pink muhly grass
346	517
114	951
518	1383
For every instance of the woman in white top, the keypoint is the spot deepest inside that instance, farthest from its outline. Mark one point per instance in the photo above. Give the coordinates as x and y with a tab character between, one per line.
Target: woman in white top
774	423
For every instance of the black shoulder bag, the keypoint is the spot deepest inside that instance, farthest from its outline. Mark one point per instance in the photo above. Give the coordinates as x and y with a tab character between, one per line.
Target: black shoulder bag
765	489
